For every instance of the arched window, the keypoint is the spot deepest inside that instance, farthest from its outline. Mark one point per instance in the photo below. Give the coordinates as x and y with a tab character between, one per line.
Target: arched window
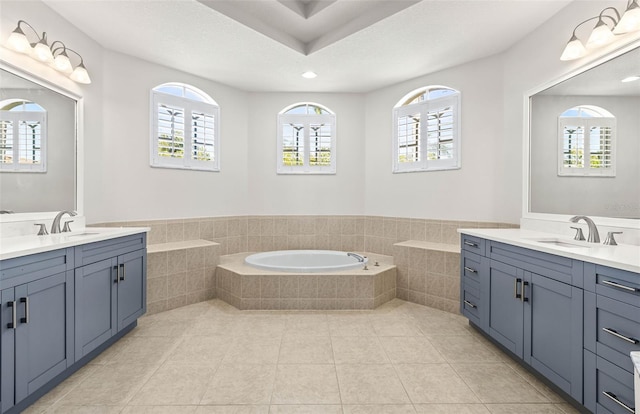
426	134
23	136
186	128
306	140
586	142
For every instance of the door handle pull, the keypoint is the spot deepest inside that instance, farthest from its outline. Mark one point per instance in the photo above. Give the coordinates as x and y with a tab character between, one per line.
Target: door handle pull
14	315
25	300
122	274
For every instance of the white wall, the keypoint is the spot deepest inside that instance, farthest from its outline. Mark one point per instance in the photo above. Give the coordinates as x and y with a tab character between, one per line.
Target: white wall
130	188
340	193
617	196
465	194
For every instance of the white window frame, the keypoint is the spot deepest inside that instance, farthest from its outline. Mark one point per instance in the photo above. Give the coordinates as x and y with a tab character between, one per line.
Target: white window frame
424	107
306	120
587	123
190	106
16	117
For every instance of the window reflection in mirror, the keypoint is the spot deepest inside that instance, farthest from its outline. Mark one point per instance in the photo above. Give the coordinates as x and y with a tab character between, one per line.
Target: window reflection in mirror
37	147
585	143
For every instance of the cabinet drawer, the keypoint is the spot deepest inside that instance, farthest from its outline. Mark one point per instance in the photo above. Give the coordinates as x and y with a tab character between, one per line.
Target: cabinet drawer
95	252
36	266
559	268
612	329
470	303
472	244
614	283
471	266
608	388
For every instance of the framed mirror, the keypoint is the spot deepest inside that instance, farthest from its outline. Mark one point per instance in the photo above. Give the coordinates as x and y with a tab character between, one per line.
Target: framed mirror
38	146
583	143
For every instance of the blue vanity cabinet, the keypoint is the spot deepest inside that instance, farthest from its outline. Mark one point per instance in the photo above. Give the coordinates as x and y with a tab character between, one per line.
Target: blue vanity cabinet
549	291
612	331
474	268
37	322
533	307
110	292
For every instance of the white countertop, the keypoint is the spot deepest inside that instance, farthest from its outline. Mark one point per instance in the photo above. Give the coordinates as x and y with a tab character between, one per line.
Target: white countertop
635	357
623	256
11	247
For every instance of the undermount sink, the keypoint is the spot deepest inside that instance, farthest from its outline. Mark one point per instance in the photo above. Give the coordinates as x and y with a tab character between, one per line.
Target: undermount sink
563	243
86	233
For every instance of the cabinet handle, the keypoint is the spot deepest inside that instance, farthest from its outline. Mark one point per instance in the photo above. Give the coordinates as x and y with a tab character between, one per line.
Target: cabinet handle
468	269
122	275
516	282
466	302
523	297
13	324
25	300
619	286
472	244
115	269
617	335
615	399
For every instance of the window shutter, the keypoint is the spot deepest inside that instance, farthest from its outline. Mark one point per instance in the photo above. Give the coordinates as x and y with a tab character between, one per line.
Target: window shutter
586	146
426	135
23	141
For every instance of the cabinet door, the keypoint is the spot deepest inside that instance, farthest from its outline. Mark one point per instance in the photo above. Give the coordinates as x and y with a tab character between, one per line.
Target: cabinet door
95	298
132	293
553	322
44	336
505	283
7	355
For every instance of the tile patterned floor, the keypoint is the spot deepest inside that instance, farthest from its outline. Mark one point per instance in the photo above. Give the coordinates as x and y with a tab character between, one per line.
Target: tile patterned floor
210	358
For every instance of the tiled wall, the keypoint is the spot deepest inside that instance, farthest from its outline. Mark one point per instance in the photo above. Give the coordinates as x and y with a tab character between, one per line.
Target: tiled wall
428	277
423	276
181	277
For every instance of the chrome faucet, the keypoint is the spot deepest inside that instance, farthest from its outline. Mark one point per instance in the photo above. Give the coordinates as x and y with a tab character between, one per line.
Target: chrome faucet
593	237
357	256
55	227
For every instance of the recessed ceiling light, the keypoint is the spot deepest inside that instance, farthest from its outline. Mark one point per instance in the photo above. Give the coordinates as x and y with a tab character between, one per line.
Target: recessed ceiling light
631	78
309	75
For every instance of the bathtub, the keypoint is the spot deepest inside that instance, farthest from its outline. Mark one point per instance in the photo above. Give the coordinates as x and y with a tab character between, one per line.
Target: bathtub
305	261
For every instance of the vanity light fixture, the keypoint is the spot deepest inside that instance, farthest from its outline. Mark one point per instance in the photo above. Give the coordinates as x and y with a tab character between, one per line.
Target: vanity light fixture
56	55
607	26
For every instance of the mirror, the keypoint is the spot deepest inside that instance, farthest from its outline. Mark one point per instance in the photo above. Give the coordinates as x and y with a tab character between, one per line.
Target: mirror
585	142
37	147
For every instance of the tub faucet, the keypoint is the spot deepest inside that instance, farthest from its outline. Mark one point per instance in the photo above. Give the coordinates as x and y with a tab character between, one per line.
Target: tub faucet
357	256
593	237
55	227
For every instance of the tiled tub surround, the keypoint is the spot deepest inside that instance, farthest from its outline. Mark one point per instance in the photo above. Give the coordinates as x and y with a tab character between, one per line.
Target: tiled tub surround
247	287
424	276
180	273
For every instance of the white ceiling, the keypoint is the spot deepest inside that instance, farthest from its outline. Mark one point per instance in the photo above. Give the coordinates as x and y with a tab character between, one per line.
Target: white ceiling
356	54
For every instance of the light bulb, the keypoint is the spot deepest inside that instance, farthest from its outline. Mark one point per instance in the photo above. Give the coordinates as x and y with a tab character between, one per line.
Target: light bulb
42	52
630	21
62	63
600	36
18	41
80	74
309	75
574	49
